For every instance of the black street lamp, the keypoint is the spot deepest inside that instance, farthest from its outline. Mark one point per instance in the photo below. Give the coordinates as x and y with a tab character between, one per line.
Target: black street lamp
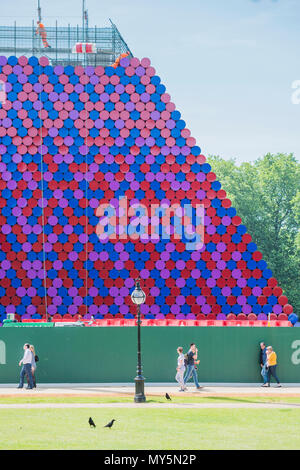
138	297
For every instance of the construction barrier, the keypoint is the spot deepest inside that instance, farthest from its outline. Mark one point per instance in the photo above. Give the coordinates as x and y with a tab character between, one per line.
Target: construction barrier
95	355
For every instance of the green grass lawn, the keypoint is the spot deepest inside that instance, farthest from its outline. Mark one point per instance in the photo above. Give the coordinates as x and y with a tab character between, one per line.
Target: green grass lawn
150	429
23	398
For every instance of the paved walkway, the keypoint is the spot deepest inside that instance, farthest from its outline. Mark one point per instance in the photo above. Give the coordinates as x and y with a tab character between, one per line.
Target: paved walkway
208	390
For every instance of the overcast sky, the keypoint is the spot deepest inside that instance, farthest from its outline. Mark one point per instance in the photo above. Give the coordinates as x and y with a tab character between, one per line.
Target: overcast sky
228	65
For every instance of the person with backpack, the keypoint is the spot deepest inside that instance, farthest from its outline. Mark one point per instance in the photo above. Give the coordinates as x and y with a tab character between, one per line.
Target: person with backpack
180	369
26	367
190	363
263	362
34	360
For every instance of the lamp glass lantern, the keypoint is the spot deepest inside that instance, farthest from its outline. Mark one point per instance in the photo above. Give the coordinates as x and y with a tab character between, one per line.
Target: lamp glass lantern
138	296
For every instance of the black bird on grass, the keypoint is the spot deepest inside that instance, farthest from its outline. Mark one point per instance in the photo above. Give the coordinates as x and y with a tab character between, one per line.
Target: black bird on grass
109	425
167	396
91	423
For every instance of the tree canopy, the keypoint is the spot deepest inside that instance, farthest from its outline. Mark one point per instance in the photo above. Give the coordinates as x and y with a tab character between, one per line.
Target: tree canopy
266	195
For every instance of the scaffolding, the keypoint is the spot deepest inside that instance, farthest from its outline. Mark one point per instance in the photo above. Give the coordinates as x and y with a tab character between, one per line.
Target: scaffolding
24	41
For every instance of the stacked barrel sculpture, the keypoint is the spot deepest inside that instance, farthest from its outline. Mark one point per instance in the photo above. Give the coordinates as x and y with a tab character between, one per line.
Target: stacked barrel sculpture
82	149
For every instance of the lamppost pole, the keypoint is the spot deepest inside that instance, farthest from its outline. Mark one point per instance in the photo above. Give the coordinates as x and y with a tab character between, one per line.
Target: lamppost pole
139	380
139	354
138	297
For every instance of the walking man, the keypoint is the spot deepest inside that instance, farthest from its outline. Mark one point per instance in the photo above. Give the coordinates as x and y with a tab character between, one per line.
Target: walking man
272	364
263	362
26	369
191	361
43	33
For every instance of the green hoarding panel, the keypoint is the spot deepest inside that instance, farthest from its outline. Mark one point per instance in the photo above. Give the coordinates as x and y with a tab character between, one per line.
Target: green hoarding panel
109	354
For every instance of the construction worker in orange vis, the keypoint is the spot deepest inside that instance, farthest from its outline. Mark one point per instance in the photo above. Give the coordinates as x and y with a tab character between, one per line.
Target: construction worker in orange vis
117	62
42	32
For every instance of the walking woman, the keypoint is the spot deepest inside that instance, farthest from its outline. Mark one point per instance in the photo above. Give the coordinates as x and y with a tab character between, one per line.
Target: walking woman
34	360
180	369
271	365
26	368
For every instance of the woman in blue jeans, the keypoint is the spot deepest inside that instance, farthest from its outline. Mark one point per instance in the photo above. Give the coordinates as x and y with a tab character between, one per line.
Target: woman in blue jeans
26	367
263	362
190	365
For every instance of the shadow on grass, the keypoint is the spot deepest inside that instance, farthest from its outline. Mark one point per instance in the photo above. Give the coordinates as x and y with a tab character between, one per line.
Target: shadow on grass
268	400
226	399
155	401
180	401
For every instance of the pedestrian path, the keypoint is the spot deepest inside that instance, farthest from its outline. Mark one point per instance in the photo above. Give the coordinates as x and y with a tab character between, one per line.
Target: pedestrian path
155	389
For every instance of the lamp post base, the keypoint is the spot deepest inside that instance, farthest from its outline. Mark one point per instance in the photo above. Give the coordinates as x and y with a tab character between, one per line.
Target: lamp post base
139	396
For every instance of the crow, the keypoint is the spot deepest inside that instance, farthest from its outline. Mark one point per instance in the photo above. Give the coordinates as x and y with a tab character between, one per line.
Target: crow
91	423
167	396
109	425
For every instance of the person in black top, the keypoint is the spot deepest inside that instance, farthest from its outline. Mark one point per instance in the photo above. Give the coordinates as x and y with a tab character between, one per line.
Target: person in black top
263	362
191	362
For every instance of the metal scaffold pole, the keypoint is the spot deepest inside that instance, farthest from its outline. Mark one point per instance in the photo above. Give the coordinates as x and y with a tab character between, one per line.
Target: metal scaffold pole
59	43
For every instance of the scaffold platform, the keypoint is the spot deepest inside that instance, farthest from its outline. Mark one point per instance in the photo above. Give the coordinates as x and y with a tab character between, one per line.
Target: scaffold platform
24	40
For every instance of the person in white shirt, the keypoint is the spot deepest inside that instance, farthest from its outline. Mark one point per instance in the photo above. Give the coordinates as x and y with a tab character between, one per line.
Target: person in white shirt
26	369
180	369
34	359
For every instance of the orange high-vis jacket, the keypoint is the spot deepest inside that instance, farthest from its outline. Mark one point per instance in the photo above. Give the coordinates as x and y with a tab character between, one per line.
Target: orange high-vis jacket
42	32
117	62
39	27
272	359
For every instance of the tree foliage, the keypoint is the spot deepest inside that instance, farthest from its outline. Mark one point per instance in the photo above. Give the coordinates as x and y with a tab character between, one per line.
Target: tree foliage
266	195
